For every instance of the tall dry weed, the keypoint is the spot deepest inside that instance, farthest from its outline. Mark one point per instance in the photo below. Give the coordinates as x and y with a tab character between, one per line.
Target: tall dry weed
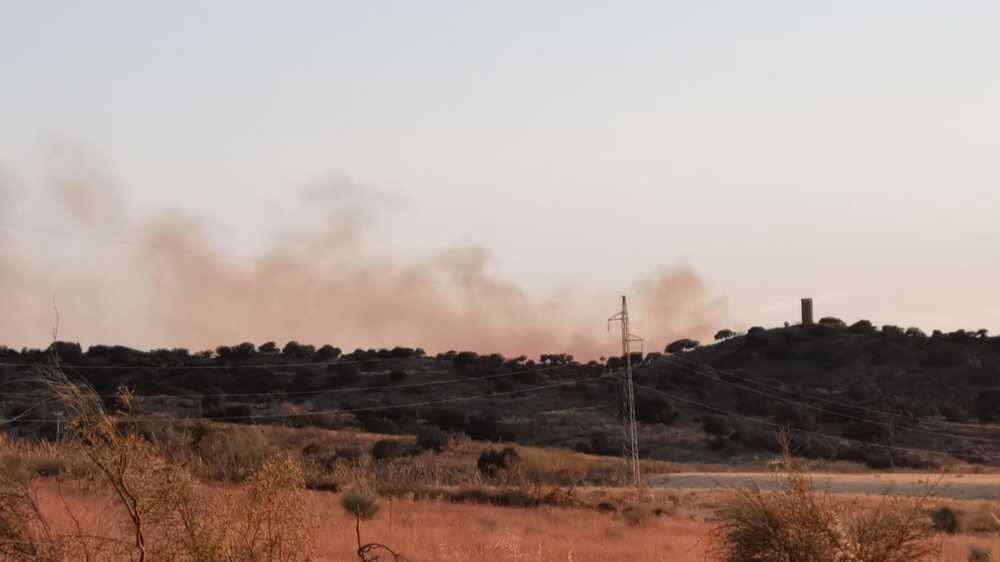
798	523
25	534
166	516
265	520
28	535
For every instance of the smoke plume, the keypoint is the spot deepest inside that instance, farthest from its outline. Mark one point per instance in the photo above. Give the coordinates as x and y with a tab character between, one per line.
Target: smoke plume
160	283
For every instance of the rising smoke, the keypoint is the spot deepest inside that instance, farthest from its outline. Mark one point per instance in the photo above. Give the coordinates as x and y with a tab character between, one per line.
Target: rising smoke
161	283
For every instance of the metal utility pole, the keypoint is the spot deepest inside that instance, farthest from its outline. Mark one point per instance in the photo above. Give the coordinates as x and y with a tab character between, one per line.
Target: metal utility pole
631	446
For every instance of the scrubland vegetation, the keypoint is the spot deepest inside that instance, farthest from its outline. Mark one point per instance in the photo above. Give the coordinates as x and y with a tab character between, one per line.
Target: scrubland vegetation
58	505
886	398
253	453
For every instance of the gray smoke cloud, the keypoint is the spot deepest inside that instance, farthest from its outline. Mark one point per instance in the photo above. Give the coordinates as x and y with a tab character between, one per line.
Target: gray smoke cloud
160	283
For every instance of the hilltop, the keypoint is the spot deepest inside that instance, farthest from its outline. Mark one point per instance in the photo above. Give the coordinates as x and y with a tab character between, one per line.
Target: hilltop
885	398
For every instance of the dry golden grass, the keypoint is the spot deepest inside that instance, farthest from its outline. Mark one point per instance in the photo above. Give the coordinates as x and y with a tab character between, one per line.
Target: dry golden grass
797	522
140	499
439	531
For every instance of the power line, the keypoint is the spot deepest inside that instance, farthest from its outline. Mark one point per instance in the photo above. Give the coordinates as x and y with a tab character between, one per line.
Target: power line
331	390
797	430
751	380
738	375
171	419
840	414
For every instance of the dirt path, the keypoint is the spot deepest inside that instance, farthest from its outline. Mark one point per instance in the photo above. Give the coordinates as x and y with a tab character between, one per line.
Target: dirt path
955	486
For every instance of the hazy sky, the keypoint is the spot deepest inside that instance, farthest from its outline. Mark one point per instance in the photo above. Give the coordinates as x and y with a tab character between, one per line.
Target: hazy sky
842	150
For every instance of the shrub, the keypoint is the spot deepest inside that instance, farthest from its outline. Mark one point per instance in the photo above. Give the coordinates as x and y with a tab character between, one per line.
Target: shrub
360	504
376	422
867	431
759	439
794	416
980	554
504	385
946	354
797	523
945	520
862	327
387	449
953	412
635	515
466	358
487	428
229	453
67	351
832	322
982	375
893	331
268	520
432	438
599	444
717	425
347	373
684	344
242	351
720	443
25	534
987	406
655	409
810	448
166	516
296	350
236	413
448	419
397	376
493	463
724	335
879	459
756	338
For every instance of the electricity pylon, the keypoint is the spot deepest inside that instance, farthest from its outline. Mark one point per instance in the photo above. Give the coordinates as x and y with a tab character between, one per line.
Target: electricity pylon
631	447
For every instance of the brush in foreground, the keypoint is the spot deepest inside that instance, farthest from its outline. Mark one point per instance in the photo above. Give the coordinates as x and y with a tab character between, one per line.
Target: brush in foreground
797	523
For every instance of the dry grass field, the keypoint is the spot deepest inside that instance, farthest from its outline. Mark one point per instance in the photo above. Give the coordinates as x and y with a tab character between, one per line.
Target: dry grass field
440	531
117	490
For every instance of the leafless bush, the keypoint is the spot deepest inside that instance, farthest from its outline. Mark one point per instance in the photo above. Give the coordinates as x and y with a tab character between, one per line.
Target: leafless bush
980	554
798	523
26	534
230	453
167	516
363	505
266	520
635	515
